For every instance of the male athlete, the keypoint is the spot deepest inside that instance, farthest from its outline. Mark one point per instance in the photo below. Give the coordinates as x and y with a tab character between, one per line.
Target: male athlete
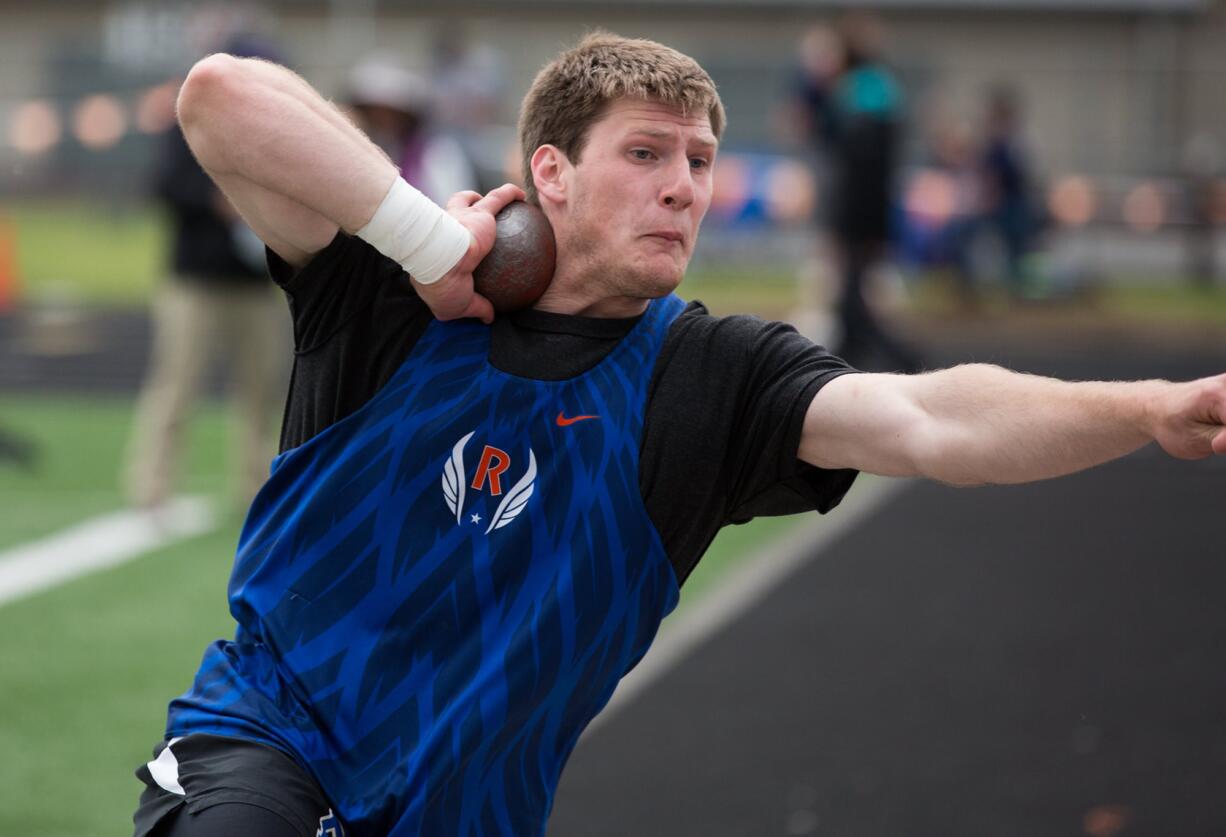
475	526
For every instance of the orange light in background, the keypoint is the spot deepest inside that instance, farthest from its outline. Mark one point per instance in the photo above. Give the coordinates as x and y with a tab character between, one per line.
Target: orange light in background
35	128
932	197
155	110
98	121
1145	207
730	188
1072	201
791	193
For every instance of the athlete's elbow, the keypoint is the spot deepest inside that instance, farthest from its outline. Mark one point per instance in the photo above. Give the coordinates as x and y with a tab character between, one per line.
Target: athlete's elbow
213	85
205	87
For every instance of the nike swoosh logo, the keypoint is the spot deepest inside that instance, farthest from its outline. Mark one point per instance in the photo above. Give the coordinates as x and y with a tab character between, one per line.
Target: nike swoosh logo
563	421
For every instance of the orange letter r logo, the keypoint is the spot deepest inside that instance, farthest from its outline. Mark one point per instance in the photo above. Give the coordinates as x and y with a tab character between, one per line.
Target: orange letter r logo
493	463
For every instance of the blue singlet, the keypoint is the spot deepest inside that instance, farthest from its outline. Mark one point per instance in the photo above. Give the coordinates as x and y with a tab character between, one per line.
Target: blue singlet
436	594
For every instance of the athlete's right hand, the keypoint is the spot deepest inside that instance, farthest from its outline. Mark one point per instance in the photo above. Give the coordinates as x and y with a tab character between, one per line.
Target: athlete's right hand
453	297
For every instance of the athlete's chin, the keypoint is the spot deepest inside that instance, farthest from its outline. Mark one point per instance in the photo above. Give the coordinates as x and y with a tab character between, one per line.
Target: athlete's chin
655	287
659	278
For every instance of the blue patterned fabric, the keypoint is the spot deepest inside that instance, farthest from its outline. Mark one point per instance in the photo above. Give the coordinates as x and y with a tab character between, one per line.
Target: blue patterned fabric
435	595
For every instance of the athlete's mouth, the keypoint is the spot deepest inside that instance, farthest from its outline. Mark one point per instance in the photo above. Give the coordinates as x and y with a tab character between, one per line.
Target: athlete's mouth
668	235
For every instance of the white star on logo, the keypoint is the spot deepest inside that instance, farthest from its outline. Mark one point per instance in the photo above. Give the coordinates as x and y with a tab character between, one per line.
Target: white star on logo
476	518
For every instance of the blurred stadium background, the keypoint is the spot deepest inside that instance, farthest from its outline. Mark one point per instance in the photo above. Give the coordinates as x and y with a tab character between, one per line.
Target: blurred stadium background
1121	99
1125	128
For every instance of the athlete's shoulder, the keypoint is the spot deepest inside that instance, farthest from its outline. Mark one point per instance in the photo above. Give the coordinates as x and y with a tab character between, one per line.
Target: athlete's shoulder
740	334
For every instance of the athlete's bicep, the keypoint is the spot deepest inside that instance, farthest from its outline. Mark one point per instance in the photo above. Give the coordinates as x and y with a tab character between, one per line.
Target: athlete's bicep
866	421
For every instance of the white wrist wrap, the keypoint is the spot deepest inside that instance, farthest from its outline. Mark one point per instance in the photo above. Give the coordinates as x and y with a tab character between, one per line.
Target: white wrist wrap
410	229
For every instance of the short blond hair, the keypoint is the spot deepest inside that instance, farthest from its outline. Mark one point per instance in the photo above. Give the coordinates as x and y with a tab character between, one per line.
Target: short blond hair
571	92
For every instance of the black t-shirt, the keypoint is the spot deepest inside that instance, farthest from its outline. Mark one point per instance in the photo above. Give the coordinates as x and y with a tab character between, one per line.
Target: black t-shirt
725	408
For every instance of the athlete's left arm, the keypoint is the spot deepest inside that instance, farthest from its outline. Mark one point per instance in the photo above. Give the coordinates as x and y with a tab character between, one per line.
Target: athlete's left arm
978	424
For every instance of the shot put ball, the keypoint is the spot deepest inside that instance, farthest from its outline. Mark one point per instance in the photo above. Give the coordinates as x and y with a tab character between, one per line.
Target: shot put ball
520	266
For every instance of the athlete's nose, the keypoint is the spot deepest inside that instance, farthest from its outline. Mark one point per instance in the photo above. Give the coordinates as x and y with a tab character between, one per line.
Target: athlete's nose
678	192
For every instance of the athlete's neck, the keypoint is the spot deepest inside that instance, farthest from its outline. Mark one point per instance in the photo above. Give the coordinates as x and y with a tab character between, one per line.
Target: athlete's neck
607	308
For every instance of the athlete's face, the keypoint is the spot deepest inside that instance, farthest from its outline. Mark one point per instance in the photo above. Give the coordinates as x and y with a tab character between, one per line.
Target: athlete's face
627	214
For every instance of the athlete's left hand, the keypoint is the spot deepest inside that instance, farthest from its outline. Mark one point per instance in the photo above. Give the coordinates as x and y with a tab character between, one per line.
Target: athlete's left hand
1190	418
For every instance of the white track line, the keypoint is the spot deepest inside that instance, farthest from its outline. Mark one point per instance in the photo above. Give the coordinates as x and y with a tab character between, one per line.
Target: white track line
99	543
744	586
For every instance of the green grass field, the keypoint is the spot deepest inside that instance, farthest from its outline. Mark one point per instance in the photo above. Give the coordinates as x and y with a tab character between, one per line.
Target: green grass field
87	252
81	445
89	666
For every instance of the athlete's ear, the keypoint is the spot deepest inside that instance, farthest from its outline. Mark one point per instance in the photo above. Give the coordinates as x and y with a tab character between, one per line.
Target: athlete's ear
551	172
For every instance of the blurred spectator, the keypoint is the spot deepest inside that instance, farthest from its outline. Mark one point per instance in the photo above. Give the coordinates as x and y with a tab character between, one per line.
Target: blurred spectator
956	158
1008	208
821	63
808	122
468	81
395	108
217	300
868	117
1200	165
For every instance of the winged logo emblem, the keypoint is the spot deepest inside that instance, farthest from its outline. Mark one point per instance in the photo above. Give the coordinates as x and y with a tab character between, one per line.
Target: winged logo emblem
516	498
494	462
453	478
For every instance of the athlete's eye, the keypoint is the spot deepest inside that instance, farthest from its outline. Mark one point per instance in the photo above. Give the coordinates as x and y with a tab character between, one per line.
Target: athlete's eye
699	163
642	153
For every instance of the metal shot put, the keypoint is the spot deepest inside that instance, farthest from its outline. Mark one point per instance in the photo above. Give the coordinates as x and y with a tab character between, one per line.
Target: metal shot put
478	519
520	265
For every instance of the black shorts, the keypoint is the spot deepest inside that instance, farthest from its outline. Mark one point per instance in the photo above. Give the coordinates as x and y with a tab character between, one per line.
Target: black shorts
210	785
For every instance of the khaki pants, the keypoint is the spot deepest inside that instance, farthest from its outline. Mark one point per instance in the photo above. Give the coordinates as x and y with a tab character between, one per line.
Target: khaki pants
248	325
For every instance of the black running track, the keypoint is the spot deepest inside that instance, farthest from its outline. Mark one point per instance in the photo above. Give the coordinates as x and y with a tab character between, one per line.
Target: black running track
1028	660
